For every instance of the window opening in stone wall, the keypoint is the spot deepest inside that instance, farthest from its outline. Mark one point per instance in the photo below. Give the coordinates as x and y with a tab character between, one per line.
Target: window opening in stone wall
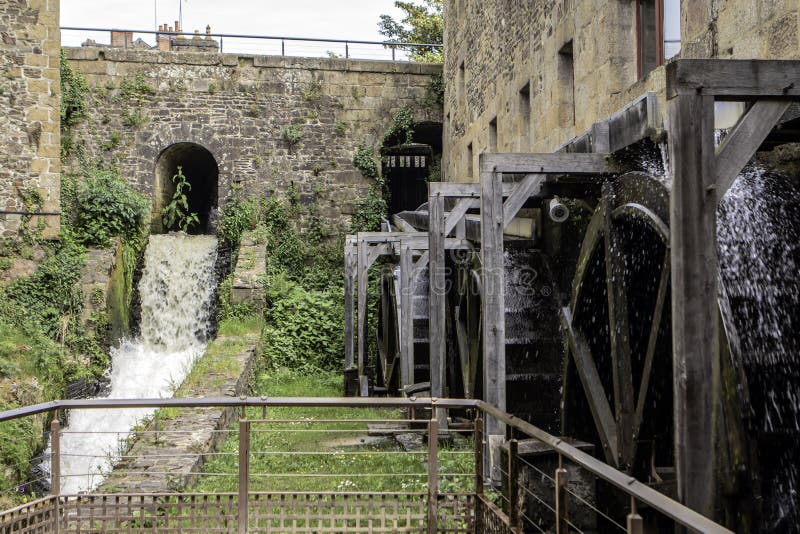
493	135
658	33
566	78
202	174
462	89
525	118
469	160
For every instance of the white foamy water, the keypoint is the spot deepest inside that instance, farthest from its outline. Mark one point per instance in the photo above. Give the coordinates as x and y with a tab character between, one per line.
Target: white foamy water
176	289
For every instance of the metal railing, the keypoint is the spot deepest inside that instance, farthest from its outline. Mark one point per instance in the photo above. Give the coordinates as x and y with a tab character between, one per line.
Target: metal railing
539	493
261	44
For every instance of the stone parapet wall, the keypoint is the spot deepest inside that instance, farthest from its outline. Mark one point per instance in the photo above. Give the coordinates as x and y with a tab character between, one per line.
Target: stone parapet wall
238	107
29	110
578	60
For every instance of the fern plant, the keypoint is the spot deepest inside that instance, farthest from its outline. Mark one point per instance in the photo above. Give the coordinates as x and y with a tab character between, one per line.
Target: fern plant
176	214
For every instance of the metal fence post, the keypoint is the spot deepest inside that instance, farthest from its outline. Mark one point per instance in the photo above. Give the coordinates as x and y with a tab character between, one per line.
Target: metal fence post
433	475
635	522
562	515
55	471
283	47
346	50
244	473
514	512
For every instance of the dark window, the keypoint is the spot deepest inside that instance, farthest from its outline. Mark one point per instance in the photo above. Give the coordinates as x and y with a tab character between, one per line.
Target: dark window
469	160
525	118
462	84
658	33
493	135
566	78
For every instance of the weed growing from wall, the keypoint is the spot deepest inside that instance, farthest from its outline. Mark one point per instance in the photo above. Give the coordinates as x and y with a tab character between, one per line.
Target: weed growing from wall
176	214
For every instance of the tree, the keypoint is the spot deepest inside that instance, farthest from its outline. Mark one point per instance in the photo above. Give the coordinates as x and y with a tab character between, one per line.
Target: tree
421	24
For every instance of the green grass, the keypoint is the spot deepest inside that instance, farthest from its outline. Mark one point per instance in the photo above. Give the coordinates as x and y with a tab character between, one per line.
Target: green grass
358	467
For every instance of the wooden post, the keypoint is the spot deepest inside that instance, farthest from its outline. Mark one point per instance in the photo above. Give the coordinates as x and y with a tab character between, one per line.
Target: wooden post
695	331
406	315
635	522
363	268
436	299
478	445
514	509
244	473
433	475
494	350
562	512
349	273
55	471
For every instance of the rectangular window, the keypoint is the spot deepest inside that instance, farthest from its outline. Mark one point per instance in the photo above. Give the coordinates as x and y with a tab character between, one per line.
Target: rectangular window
658	33
469	160
462	84
566	79
525	118
493	135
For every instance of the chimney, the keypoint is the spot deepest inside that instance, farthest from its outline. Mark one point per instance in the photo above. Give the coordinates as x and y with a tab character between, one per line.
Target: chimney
177	27
208	31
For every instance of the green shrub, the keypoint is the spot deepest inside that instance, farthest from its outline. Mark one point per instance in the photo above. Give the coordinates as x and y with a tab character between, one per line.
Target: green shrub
176	214
235	218
104	206
73	94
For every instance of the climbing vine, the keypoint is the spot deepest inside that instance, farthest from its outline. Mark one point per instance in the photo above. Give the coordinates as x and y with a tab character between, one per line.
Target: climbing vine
401	131
370	209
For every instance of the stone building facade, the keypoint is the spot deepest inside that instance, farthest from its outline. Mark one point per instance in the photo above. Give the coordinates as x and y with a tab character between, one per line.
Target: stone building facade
244	111
29	112
526	75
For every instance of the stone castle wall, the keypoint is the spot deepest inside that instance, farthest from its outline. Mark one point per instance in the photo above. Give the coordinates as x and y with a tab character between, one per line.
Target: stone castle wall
238	108
543	72
29	110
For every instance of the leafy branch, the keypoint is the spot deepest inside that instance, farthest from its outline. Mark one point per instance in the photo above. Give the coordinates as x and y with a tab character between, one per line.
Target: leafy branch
176	214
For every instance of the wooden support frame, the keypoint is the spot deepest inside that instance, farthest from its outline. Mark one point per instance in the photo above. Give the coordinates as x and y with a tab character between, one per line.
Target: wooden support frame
700	177
494	216
361	252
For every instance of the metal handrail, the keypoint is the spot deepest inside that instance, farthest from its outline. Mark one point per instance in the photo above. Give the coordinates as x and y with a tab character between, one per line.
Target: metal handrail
635	489
283	39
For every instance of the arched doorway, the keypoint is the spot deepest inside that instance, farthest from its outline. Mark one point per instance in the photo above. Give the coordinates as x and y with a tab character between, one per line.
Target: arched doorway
202	173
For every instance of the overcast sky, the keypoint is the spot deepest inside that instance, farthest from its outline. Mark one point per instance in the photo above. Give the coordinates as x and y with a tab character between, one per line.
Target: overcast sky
335	19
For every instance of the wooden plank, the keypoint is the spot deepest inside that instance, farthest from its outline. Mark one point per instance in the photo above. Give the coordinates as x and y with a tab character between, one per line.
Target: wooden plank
741	144
593	387
695	331
421	262
350	259
457	213
549	163
619	333
529	186
636	121
494	350
436	297
406	316
734	79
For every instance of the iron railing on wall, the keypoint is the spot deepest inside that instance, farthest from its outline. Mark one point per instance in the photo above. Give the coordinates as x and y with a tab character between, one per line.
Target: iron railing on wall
259	44
550	495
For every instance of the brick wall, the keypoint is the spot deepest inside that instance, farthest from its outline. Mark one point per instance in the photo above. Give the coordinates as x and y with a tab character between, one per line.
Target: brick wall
29	108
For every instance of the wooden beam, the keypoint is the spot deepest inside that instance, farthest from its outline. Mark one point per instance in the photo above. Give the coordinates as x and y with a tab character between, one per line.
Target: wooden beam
406	315
695	331
734	79
361	273
350	259
593	387
436	298
529	186
741	144
494	336
550	163
456	214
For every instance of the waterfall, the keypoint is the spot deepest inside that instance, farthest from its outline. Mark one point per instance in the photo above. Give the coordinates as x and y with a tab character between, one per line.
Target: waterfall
758	236
176	289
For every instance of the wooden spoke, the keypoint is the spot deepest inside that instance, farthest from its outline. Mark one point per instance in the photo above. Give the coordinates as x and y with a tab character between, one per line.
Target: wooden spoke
619	333
655	325
595	394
